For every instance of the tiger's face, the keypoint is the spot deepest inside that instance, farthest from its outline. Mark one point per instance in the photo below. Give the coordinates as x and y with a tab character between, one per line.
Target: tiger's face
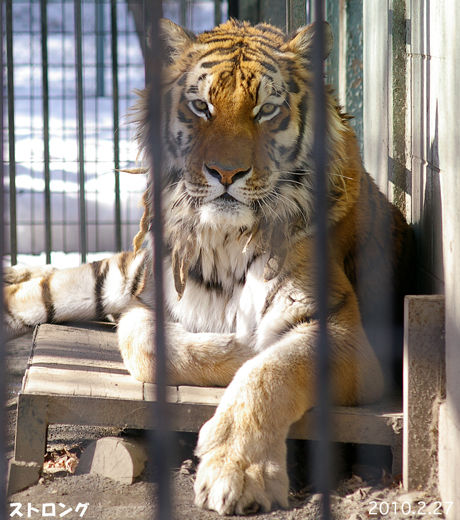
237	121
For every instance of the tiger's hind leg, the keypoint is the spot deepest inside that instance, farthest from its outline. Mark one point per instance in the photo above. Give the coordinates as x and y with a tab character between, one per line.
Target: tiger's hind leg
203	359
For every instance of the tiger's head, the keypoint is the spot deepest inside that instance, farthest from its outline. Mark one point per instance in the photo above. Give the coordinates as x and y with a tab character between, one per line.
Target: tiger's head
238	126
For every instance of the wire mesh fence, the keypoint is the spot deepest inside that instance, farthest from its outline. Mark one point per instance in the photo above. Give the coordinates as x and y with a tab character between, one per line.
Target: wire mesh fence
72	72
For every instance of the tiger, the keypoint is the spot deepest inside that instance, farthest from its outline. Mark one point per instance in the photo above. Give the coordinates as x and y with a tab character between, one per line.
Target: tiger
239	265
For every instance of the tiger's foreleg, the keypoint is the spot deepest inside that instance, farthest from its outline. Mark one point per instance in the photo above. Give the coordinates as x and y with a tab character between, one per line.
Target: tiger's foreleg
242	448
203	359
90	291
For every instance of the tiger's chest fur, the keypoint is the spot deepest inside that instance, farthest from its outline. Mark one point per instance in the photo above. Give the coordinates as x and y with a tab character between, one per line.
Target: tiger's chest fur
226	291
216	293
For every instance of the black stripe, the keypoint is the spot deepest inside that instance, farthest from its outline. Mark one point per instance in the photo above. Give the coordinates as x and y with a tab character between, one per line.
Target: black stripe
229	49
210	64
293	86
249	40
137	278
122	262
269	66
100	270
47	298
283	125
259	56
298	144
181	81
265	42
271	296
196	276
220	39
266	28
183	119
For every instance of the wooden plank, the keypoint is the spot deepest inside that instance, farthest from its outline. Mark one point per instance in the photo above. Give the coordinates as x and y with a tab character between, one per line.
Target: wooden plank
197	394
81	375
357	425
379	424
69	360
89	381
31	429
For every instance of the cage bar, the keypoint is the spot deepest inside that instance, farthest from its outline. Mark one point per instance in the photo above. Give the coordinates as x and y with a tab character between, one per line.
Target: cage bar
160	447
116	119
3	412
322	466
217	12
100	87
46	132
11	133
183	12
81	136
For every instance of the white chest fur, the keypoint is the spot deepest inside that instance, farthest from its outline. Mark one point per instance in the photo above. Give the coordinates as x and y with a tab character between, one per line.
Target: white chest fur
225	290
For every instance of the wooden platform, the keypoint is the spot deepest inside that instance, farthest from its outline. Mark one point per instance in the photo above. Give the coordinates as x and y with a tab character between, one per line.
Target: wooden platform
75	375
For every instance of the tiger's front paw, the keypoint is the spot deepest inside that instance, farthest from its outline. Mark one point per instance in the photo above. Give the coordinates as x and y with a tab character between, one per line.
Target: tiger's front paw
232	479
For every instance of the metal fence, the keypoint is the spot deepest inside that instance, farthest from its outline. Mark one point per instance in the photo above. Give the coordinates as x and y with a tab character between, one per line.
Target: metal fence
72	69
3	383
65	143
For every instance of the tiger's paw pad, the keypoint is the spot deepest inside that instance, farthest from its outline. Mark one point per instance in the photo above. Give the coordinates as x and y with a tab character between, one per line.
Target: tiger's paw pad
237	487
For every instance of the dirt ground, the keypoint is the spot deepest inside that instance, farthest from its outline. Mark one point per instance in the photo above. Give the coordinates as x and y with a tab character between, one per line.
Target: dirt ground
362	491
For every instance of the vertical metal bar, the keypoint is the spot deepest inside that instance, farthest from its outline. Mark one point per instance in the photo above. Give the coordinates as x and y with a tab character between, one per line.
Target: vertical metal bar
295	14
160	444
81	136
11	132
99	48
217	12
46	135
116	118
321	243
147	22
233	8
183	12
3	413
289	21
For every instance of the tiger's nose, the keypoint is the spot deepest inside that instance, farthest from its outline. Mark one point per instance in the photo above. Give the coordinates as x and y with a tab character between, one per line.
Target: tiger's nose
226	175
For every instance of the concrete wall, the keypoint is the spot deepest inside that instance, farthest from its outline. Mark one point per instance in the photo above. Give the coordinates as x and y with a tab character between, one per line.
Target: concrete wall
445	36
412	148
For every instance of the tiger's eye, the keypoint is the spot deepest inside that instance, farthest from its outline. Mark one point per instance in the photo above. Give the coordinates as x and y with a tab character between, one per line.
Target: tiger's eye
200	105
267	109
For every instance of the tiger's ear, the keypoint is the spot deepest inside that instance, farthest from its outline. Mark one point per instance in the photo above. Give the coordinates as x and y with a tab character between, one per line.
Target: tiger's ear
302	41
175	39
